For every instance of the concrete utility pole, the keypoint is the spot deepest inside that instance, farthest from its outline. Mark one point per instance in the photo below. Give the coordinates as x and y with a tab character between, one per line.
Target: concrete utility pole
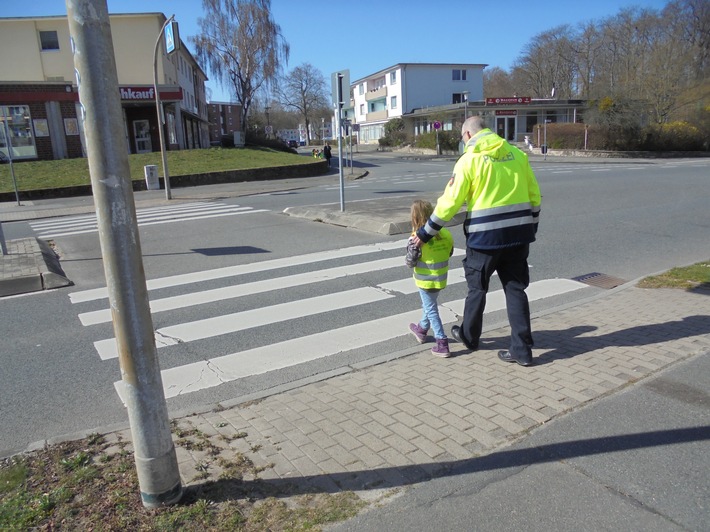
95	66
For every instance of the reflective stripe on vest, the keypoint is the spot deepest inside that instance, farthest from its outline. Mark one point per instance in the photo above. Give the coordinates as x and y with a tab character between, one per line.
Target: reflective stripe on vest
499	217
433	274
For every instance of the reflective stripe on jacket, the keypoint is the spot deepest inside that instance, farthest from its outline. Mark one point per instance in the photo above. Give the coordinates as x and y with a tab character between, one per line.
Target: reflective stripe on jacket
502	196
431	270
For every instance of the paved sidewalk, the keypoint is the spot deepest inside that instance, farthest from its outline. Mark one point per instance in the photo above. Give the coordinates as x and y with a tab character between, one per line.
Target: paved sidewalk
412	417
29	266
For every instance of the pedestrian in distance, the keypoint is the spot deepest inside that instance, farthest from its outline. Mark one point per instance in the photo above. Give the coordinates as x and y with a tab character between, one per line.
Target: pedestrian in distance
502	198
431	267
326	153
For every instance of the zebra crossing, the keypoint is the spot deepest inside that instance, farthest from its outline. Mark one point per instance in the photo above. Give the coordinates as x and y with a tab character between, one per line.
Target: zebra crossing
403	179
77	225
382	260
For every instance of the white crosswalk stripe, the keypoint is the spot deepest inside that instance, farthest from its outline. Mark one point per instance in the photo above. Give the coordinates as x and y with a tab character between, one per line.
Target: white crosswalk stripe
77	225
214	371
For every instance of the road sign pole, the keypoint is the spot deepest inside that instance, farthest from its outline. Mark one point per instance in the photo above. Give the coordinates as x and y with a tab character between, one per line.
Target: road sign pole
3	245
97	79
437	126
8	143
340	142
159	109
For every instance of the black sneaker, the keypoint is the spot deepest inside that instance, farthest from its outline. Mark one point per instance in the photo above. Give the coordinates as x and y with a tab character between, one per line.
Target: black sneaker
506	356
456	333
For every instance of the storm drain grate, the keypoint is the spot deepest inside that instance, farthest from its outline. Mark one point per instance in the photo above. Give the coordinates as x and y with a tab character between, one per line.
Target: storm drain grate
600	280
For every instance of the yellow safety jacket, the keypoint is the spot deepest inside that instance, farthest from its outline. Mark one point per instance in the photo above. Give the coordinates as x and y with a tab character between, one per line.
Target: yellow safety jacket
502	196
431	269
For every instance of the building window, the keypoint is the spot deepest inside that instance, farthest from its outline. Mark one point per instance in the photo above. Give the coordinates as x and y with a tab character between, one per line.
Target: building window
361	89
49	40
458	74
393	77
362	109
19	126
393	102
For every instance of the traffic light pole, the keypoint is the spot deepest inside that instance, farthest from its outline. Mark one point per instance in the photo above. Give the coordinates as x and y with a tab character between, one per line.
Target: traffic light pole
97	79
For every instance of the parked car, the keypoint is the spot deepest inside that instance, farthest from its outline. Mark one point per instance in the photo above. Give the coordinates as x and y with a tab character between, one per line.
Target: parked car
292	144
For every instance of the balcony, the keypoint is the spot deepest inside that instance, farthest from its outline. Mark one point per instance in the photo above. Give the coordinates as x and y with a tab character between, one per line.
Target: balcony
376	115
376	94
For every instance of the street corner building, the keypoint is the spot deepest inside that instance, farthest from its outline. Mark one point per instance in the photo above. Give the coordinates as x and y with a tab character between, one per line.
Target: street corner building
39	98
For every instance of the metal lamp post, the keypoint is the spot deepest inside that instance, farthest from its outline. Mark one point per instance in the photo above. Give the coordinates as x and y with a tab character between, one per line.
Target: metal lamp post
159	110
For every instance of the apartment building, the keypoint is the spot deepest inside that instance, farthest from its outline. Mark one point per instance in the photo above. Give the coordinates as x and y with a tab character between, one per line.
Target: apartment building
39	96
425	95
400	89
225	118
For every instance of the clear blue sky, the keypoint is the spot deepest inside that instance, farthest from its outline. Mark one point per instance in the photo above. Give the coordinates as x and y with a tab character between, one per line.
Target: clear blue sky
365	36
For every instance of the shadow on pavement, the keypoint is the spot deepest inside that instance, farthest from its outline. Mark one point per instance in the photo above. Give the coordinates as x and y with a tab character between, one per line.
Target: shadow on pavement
569	343
392	477
231	250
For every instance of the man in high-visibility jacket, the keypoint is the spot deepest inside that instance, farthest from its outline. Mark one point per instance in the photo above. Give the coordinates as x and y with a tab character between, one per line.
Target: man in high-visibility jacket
502	196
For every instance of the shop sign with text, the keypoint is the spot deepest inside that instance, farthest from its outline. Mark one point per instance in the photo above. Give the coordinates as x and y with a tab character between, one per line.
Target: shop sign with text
513	100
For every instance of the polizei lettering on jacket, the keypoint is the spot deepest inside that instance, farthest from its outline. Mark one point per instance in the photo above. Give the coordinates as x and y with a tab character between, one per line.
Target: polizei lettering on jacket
130	93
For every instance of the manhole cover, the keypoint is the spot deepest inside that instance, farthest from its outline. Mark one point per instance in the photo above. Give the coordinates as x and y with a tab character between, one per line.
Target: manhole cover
600	280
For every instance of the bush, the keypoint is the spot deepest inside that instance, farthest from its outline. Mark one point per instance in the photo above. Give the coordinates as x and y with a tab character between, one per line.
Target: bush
259	139
448	141
675	136
394	134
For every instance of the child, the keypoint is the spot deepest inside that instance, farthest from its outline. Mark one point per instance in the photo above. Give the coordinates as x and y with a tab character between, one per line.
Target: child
431	265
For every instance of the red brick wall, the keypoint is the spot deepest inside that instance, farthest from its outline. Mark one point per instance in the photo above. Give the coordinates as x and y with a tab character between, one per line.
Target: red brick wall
36	96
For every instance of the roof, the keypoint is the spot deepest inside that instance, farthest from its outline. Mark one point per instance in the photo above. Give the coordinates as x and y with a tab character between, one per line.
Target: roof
398	65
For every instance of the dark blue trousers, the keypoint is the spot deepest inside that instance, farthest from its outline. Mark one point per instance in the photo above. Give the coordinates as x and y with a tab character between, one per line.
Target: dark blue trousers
512	267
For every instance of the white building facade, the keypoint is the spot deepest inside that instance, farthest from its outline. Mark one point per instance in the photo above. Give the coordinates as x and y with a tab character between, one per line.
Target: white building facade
401	89
427	95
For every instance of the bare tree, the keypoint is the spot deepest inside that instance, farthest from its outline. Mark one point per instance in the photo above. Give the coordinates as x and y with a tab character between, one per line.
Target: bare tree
547	62
691	24
242	46
586	49
497	82
304	90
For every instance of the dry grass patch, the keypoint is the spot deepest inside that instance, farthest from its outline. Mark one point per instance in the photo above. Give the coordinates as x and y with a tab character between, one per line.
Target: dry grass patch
91	484
693	277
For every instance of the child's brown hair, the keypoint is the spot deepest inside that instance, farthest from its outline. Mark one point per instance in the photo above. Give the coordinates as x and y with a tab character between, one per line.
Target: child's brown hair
421	210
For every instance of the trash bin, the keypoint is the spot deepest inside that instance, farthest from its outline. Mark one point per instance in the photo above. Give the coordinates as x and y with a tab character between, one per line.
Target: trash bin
543	149
151	177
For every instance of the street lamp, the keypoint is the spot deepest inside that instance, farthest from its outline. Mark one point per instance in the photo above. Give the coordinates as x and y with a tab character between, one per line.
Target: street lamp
465	109
322	128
